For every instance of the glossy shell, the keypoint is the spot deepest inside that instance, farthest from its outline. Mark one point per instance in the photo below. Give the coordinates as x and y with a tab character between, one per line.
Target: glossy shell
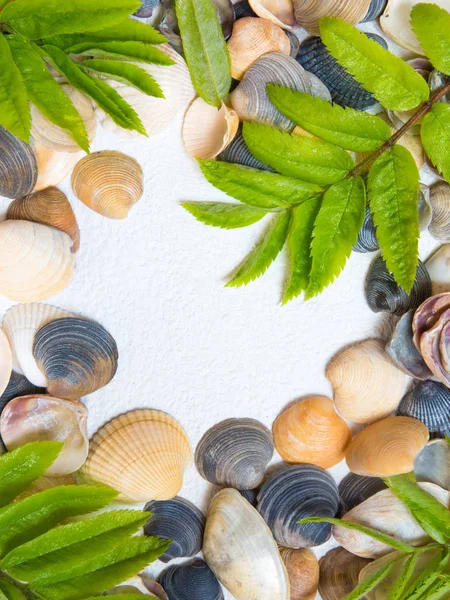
309	12
429	402
303	572
367	237
428	314
355	489
191	580
376	8
237	152
433	464
435	347
18	385
53	167
280	12
438	267
18	167
6	362
440	206
339	570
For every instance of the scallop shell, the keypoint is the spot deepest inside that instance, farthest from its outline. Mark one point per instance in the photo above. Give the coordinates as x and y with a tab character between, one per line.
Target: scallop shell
355	489
309	12
238	153
429	402
240	549
367	237
177	520
388	447
438	267
303	572
6	362
38	418
49	207
235	453
427	315
440	206
53	167
367	386
295	493
433	464
18	167
191	580
108	182
339	572
18	385
142	453
280	12
36	261
310	431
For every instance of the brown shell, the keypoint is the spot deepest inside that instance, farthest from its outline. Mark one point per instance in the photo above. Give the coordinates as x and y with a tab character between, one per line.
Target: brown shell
339	572
303	571
309	12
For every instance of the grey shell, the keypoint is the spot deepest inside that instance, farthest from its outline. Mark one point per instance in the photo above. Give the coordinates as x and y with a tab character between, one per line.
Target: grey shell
18	166
376	9
191	581
367	237
355	489
433	464
237	152
18	385
429	402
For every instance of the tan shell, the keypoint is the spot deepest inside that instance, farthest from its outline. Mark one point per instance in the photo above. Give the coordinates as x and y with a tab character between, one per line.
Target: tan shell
53	167
303	572
309	12
6	361
367	385
388	447
438	267
339	571
143	454
312	432
440	215
108	182
280	12
36	261
49	207
46	483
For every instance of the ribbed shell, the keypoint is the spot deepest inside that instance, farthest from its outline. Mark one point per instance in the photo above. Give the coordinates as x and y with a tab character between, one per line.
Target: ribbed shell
189	581
429	402
18	385
433	464
280	12
438	265
309	12
18	167
367	237
237	152
376	8
355	489
295	493
440	206
243	9
250	495
303	571
177	520
146	9
339	570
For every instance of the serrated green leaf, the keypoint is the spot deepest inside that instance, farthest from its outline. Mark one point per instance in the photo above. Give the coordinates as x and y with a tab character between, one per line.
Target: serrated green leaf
14	106
136	51
435	134
310	160
403	578
225	215
10	591
370	582
126	73
265	251
431	24
429	575
3	3
257	188
127	597
205	49
35	19
348	128
395	84
393	188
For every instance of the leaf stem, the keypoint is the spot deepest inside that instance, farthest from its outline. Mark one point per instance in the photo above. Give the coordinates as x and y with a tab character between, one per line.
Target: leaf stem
26	591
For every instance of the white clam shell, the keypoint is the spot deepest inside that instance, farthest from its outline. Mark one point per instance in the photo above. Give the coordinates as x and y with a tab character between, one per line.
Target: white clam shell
6	362
438	266
53	166
280	12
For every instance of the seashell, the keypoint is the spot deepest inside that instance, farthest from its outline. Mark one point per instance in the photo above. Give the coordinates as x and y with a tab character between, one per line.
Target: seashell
53	167
436	81
309	12
53	137
18	167
177	520
440	206
18	385
108	182
295	44
226	15
251	38
310	431
383	294
143	454
49	207
438	267
433	464
36	261
424	207
250	495
46	483
319	89
387	447
303	572
434	348
145	11
376	9
355	489
240	549
38	418
429	402
295	493
237	152
191	580
367	386
139	584
243	9
339	572
280	12
76	356
21	323
367	237
427	315
153	587
6	362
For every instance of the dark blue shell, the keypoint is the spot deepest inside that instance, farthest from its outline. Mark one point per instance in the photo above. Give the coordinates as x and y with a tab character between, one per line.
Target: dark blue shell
367	237
376	9
18	386
354	489
191	581
237	152
250	495
243	9
429	402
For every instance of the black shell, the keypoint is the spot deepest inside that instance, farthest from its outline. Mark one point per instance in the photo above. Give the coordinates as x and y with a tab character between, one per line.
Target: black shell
243	9
238	153
429	402
376	9
191	581
250	495
18	386
18	166
354	489
367	237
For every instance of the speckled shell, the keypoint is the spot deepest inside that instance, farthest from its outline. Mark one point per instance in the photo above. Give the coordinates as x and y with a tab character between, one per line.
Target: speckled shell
440	206
429	402
53	167
295	493
191	580
433	464
235	453
177	520
18	167
280	12
367	237
237	152
6	362
438	267
303	572
18	385
143	454
355	489
339	570
309	12
240	549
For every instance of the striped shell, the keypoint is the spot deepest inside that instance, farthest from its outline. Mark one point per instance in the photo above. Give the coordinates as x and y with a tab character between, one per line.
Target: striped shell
309	12
237	152
433	464
18	385
18	167
339	570
280	12
429	402
189	581
440	207
367	237
303	572
355	489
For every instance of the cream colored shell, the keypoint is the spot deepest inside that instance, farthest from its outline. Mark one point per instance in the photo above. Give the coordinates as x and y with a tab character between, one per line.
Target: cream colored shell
438	267
6	361
280	12
303	572
53	167
440	211
309	12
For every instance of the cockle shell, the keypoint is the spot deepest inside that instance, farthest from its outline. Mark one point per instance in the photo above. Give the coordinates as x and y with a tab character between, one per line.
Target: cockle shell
6	362
433	464
355	489
237	152
40	417
310	431
295	493
108	182
240	549
429	402
387	447
440	207
18	385
280	12
53	167
191	580
18	167
367	386
303	572
367	237
403	352
36	261
309	12
142	453
438	267
339	572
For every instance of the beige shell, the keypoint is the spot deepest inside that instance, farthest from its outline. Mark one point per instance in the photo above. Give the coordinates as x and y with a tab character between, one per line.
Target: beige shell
438	267
142	453
108	182
49	207
53	137
6	361
239	547
312	432
303	572
280	12
36	261
309	12
339	571
388	447
440	215
367	385
53	167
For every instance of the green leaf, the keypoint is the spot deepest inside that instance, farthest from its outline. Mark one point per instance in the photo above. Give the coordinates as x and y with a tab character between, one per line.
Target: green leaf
431	24
35	19
393	195
126	73
306	159
370	582
430	574
20	467
335	232
394	83
265	251
257	188
205	49
9	591
136	51
403	578
225	215
348	128
127	597
14	106
435	133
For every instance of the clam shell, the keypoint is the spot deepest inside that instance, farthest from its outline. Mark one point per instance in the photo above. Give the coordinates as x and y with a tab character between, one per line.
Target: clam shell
154	587
428	313
440	206
376	8
295	493
143	454
367	237
237	152
303	572
18	167
53	167
191	580
367	386
438	267
139	584
108	182
295	43
146	9
434	348
438	80
38	418
18	385
49	207
429	402
424	207
310	431
240	549
243	9
433	464
235	453
36	261
280	12
250	495
388	447
309	12
6	362
177	520
355	489
339	572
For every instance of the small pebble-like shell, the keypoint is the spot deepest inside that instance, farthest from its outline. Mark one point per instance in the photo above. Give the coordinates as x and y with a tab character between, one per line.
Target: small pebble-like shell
339	571
355	489
309	12
77	356
18	167
440	207
225	13
235	453
191	580
295	493
238	153
387	447
18	385
310	431
177	520
280	12
438	267
303	572
429	402
53	167
433	464
367	237
367	386
6	361
44	418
